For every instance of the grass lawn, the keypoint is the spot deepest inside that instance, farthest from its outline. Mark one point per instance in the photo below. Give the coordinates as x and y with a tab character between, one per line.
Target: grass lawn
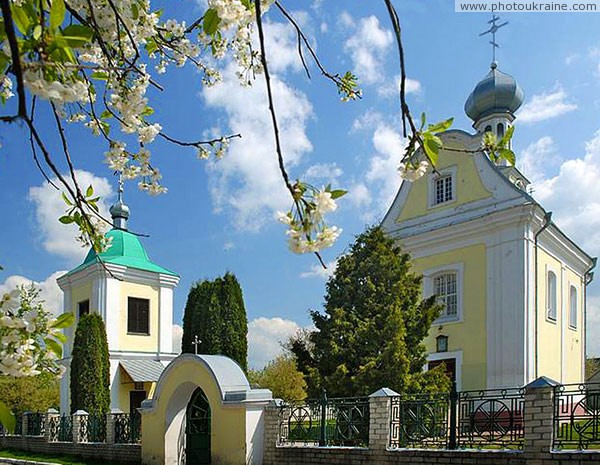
59	459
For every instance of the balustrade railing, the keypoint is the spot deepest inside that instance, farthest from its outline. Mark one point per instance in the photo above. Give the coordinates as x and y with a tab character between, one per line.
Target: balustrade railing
127	428
92	428
326	422
577	416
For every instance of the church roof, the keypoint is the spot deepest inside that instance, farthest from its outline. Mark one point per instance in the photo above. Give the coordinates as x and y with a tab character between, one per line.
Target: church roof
142	371
126	250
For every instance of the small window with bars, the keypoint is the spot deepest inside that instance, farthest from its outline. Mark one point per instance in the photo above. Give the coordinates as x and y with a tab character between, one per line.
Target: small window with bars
446	289
443	189
83	308
138	316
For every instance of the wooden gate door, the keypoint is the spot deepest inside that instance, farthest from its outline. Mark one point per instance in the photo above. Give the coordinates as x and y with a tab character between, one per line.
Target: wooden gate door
197	449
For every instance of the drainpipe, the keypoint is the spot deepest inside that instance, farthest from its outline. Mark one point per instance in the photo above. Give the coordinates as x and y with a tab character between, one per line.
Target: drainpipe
588	278
547	221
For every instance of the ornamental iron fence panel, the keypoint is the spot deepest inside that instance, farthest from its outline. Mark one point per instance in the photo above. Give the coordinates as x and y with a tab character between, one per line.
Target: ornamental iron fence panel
491	419
92	428
36	424
577	416
326	422
19	424
127	428
420	421
60	428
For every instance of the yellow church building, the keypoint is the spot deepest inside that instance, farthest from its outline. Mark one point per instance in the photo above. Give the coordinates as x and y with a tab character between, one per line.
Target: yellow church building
512	283
134	296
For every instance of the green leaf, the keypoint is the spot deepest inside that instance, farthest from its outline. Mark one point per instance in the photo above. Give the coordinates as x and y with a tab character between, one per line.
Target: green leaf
247	4
21	19
337	193
99	75
54	346
106	114
211	21
151	46
508	155
57	13
66	199
60	337
504	142
441	126
423	120
7	418
148	111
77	35
432	145
135	11
37	32
64	321
90	191
66	219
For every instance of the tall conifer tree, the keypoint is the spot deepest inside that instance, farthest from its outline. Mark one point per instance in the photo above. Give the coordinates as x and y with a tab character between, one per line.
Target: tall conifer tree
371	334
215	312
90	368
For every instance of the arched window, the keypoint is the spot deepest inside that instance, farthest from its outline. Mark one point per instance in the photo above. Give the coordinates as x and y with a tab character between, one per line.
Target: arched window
573	307
500	130
488	128
551	300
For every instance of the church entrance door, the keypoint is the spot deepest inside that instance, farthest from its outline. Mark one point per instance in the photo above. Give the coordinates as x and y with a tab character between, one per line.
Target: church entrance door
197	432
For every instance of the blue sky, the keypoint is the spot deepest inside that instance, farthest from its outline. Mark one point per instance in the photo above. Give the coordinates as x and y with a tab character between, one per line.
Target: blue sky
218	216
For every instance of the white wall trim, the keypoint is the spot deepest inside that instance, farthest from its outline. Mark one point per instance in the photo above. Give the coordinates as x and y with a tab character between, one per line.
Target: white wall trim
456	355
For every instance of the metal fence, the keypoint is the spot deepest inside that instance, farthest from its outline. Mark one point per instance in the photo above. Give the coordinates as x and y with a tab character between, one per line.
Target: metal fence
60	428
127	428
92	428
36	424
486	419
491	419
325	422
577	416
420	421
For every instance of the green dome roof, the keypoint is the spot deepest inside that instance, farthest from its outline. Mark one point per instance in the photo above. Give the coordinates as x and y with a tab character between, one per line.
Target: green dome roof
126	250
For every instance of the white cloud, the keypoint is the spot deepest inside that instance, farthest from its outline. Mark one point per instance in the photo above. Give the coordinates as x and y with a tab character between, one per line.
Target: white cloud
545	106
392	88
177	336
367	47
324	27
359	195
228	246
323	172
50	293
370	119
535	160
265	336
317	270
573	195
58	238
247	183
346	20
281	46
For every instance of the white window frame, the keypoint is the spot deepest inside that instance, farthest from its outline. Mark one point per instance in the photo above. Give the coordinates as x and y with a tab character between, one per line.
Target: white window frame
552	319
433	177
573	312
428	289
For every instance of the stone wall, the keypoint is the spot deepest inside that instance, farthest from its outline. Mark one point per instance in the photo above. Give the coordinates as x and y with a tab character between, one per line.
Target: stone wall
538	427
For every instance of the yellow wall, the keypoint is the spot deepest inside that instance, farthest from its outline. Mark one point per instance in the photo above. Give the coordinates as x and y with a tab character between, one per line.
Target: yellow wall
79	294
551	335
468	335
468	187
228	424
135	342
127	386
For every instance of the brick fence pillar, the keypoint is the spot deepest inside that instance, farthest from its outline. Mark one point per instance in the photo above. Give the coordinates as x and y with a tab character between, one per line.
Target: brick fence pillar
538	418
379	418
77	420
271	437
25	423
